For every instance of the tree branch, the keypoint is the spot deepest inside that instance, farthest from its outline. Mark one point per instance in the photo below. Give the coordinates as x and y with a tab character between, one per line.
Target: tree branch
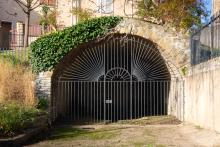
22	5
35	4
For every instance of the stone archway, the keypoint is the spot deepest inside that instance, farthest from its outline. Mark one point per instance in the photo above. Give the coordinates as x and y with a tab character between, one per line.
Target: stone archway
173	48
130	61
173	45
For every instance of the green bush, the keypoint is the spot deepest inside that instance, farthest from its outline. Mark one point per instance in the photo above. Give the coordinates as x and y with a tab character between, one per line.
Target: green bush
14	118
43	104
48	50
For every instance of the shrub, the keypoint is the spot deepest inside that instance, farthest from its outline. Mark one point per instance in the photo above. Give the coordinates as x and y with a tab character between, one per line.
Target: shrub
15	117
181	14
48	50
82	14
43	104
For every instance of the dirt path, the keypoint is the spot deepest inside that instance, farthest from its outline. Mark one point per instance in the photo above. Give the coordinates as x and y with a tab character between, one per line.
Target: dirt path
182	135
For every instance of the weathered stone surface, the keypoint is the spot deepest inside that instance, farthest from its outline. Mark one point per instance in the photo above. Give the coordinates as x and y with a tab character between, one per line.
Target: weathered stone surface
174	45
43	84
202	95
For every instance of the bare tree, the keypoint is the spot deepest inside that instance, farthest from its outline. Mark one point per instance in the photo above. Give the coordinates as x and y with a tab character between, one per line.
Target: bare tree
27	6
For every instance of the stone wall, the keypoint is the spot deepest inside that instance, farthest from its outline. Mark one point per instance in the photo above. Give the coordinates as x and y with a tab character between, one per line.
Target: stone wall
202	95
43	85
173	45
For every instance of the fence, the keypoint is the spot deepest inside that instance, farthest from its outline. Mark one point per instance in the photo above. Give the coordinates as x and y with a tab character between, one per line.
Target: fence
12	42
111	100
205	43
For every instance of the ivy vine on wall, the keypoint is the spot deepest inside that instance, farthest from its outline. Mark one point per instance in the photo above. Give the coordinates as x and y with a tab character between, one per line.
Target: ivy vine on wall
47	51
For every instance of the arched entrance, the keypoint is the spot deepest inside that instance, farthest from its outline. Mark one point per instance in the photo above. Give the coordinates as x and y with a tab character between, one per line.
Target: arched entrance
116	78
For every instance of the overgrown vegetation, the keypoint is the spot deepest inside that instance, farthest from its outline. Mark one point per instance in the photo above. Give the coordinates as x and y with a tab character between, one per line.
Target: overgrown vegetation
49	18
43	104
48	50
82	14
182	14
15	118
16	80
18	106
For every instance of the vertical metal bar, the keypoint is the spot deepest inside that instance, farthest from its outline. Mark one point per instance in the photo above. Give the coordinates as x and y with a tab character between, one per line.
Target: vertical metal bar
131	66
155	98
88	100
78	101
142	99
100	100
74	101
68	100
127	100
115	101
104	82
94	106
97	101
71	100
161	97
91	102
164	97
109	92
111	97
65	99
135	100
84	100
138	90
120	103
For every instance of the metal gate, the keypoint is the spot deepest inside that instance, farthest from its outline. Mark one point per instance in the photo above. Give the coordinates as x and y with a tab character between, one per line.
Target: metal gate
112	101
123	77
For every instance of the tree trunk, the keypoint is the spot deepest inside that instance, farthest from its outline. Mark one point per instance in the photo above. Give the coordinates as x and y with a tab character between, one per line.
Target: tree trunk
26	34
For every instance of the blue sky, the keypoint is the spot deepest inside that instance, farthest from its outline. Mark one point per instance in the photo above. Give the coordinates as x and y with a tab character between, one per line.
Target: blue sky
208	4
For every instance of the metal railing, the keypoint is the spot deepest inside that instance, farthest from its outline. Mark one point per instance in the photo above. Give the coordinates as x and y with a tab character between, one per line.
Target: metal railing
12	46
109	101
12	41
205	43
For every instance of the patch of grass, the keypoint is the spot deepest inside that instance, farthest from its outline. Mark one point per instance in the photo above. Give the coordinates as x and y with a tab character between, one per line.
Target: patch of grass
152	120
138	144
102	134
79	133
16	57
15	117
198	127
160	145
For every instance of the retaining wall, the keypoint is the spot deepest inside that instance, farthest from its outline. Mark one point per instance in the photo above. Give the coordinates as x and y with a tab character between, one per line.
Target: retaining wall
202	95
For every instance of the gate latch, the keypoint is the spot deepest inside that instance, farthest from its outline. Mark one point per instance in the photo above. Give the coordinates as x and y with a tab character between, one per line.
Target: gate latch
108	101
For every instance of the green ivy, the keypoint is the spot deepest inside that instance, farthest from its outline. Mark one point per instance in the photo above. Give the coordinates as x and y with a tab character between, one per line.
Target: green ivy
48	50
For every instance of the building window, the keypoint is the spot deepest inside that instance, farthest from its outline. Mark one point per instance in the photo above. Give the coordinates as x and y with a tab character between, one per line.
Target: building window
105	6
48	2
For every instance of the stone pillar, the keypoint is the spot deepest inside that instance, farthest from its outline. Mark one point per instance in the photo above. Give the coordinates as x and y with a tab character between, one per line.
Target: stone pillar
19	34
